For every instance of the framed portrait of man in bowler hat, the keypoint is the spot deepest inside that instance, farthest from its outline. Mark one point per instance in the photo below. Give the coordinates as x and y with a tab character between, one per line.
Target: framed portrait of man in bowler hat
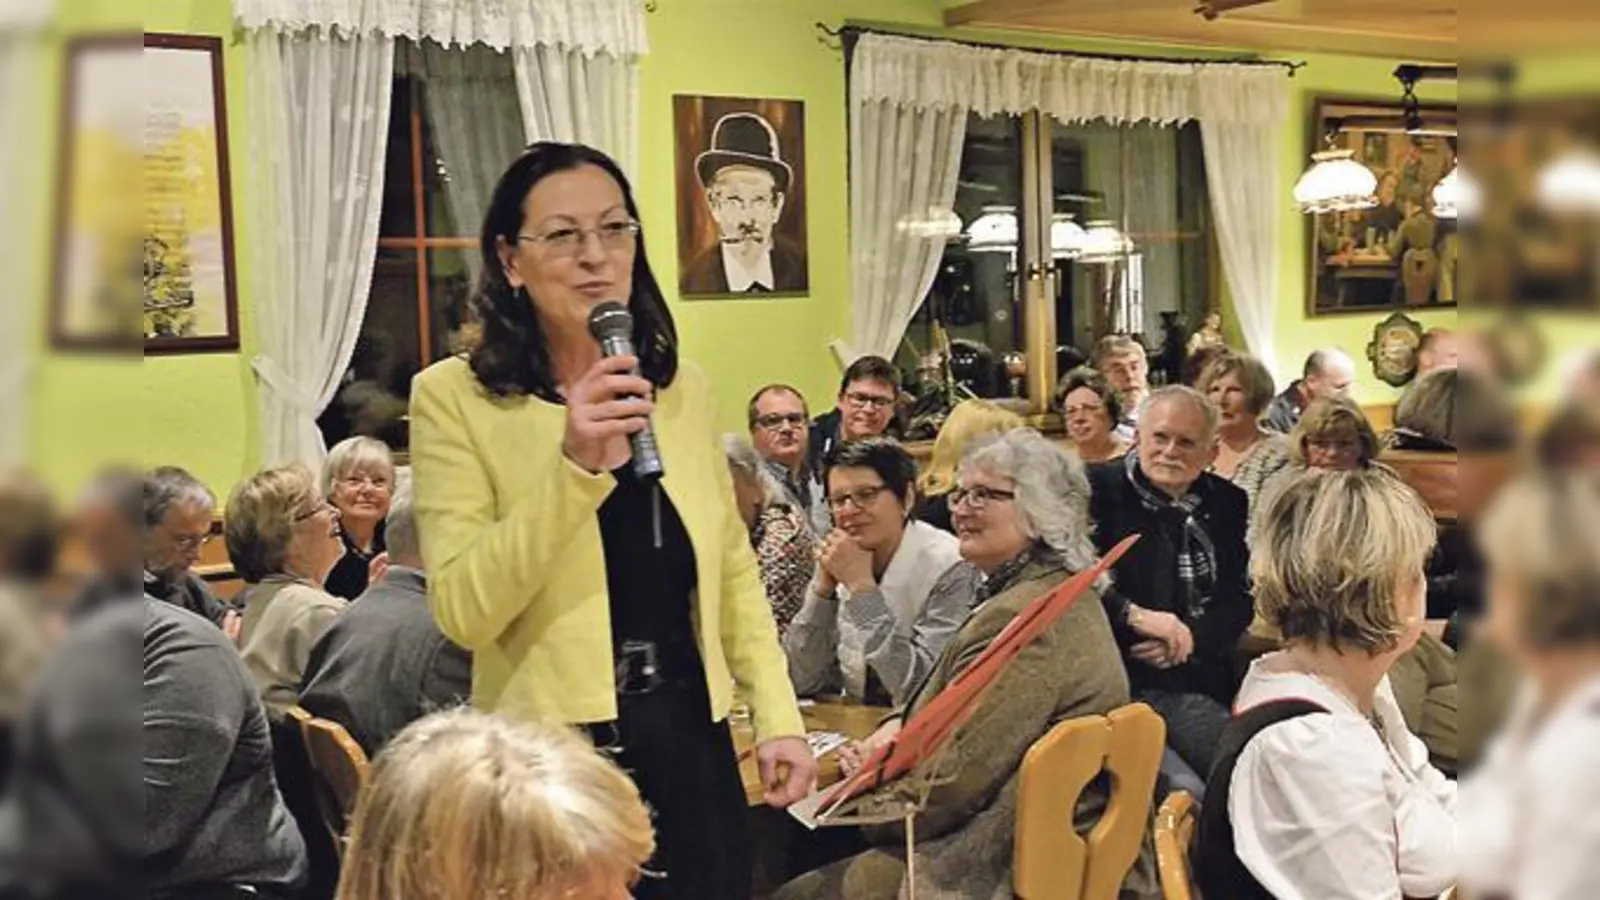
741	197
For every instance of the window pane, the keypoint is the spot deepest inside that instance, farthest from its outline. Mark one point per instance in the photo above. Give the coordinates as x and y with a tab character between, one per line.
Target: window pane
974	295
375	392
472	129
1147	181
398	218
451	275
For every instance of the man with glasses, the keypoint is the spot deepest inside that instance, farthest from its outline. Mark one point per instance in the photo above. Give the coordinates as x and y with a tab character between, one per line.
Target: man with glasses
780	432
866	405
746	182
157	523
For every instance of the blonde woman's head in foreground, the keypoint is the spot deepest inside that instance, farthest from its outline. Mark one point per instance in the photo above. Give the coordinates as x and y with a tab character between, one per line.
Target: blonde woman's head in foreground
1338	560
464	805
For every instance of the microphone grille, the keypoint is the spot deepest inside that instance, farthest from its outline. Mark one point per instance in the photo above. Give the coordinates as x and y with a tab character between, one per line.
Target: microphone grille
610	319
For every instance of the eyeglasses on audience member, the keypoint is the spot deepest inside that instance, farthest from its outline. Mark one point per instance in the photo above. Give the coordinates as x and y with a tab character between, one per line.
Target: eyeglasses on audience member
774	421
977	498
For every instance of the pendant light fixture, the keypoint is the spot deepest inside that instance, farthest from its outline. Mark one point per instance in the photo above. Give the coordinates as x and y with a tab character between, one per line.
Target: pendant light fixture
1336	183
1067	237
995	231
1571	184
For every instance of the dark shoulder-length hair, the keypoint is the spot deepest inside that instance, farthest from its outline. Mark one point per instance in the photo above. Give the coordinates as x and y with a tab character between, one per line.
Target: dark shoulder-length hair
510	355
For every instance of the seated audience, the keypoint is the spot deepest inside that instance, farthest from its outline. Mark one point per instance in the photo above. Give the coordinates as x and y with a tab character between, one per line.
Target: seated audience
1327	373
1439	349
208	822
1529	806
1571	438
889	592
177	524
780	430
969	420
107	525
1126	367
283	538
465	805
29	623
383	663
779	532
865	408
1335	436
1181	598
1021	511
359	479
1247	454
157	522
1319	789
1092	411
1451	409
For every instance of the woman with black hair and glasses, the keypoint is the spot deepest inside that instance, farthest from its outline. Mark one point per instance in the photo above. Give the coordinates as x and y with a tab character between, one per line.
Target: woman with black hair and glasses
889	590
588	595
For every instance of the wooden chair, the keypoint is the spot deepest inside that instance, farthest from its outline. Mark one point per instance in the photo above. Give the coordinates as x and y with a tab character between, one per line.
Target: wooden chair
338	767
1051	861
1175	824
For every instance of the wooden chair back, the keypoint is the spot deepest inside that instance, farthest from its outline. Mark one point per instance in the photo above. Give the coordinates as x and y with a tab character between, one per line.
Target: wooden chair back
339	768
1175	825
1051	861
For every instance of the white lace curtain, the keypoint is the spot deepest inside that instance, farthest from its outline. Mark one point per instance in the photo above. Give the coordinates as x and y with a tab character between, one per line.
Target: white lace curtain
319	122
920	82
589	26
576	97
21	23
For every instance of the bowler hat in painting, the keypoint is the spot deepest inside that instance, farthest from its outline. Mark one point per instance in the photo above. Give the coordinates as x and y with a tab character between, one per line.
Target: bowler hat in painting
744	139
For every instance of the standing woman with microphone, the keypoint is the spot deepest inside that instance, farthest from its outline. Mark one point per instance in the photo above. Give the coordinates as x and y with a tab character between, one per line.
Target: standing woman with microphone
588	594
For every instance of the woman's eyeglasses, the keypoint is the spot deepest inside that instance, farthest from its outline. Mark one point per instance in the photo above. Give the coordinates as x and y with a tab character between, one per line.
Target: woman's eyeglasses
859	498
614	236
977	498
357	482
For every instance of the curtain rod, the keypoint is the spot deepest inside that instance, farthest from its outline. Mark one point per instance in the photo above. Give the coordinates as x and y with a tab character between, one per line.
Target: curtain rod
848	33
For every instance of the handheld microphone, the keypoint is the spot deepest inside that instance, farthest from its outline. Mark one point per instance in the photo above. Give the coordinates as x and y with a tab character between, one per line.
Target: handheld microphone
612	325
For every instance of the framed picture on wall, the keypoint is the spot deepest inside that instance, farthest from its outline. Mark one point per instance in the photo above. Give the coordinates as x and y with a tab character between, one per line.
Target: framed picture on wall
164	142
1396	255
741	179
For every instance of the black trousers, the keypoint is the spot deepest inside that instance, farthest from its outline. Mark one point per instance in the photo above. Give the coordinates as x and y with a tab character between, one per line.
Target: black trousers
685	767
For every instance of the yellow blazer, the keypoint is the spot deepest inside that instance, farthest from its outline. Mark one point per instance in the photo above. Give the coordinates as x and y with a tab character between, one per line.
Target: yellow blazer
516	572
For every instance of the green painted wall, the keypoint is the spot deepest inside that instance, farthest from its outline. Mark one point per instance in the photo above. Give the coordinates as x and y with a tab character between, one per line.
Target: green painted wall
201	411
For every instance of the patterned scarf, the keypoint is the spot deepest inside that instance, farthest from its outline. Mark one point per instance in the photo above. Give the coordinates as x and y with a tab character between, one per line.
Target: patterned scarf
1197	556
1007	573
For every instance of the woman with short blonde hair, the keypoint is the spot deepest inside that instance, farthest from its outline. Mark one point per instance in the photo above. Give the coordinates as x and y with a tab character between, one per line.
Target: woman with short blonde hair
969	420
1319	790
1333	433
283	539
359	478
465	805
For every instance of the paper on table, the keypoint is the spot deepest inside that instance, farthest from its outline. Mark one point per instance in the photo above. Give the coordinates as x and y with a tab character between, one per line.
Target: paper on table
825	742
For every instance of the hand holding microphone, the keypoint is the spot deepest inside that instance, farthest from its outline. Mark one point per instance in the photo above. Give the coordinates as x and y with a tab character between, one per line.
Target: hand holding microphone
608	409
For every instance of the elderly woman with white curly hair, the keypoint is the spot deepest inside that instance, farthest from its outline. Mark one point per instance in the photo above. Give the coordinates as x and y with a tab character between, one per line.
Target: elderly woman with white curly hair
1021	512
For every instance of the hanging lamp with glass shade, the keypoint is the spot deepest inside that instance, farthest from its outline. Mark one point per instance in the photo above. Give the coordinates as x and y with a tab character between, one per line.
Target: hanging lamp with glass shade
1066	237
1336	183
995	231
1571	184
1456	196
1104	242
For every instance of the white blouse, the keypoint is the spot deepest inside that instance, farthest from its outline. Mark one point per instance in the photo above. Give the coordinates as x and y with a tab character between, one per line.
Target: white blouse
1324	808
1531	805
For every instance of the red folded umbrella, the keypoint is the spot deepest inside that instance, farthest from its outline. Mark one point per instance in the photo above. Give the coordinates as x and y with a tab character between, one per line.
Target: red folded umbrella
926	732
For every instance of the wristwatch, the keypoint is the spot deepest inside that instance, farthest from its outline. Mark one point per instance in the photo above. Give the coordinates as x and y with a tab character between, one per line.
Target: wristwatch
1133	616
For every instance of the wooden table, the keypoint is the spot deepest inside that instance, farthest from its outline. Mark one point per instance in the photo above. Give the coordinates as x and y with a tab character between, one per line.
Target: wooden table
849	719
